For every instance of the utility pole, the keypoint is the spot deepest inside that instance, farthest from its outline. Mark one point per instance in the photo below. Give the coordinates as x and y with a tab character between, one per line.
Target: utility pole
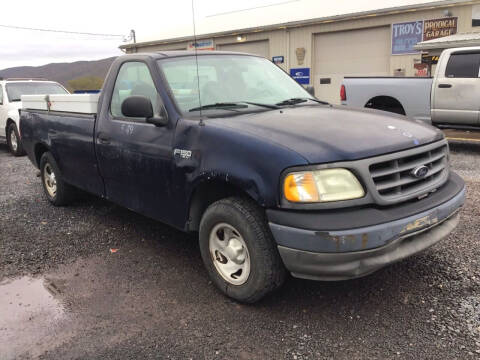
134	39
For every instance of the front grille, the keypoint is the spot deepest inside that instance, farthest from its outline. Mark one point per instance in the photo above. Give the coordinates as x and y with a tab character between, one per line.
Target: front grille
393	178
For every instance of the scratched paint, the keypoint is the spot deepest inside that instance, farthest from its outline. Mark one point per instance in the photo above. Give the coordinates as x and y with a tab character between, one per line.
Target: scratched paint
127	129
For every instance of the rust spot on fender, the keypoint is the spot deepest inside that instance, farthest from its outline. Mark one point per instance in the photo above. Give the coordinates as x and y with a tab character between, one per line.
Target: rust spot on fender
337	242
364	241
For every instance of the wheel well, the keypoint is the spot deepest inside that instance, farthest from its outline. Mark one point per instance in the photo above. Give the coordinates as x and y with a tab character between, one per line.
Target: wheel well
386	103
9	121
206	194
40	149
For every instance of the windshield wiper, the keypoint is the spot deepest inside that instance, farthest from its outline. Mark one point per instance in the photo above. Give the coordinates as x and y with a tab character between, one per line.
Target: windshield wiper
268	106
13	100
223	106
233	105
295	101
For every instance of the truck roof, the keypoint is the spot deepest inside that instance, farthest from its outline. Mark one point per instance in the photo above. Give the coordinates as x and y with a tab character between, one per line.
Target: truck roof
16	80
179	53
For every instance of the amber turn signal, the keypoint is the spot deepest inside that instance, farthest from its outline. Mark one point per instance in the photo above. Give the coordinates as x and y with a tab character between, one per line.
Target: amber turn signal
301	187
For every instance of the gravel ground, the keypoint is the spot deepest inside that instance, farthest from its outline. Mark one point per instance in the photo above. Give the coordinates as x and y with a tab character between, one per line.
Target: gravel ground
152	298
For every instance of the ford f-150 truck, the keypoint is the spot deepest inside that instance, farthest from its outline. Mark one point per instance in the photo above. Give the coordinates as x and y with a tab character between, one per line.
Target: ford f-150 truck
11	91
228	145
450	99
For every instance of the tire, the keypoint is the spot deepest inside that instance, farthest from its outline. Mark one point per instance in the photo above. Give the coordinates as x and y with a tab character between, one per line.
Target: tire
56	190
251	249
13	141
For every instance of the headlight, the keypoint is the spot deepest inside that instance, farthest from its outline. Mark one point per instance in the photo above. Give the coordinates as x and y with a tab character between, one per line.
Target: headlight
322	186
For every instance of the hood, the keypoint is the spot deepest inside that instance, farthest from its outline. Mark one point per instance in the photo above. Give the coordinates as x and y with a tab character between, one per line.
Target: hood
332	133
14	106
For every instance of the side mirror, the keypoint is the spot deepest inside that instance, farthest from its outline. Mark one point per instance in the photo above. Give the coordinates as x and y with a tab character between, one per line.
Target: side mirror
141	107
137	107
310	89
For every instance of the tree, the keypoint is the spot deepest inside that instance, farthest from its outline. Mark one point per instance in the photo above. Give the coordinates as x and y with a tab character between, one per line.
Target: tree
85	83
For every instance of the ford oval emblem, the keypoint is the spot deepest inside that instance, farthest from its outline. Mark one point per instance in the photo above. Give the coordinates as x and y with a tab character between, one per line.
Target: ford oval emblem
420	172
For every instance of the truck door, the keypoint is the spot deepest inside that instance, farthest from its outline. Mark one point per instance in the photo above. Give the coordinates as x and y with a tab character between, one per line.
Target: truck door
3	113
135	157
456	91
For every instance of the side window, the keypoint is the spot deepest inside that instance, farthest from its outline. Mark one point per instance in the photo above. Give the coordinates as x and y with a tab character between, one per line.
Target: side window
1	94
133	79
463	66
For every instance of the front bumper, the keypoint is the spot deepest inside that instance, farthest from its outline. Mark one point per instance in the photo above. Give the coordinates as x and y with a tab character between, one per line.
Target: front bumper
351	253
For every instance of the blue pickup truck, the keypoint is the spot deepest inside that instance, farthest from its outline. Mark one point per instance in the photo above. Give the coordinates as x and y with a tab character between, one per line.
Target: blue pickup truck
273	180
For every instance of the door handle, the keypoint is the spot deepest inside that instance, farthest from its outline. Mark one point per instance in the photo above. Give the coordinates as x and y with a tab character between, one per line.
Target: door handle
103	139
445	86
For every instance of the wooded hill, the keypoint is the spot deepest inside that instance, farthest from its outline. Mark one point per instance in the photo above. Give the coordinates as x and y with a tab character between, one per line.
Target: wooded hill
61	72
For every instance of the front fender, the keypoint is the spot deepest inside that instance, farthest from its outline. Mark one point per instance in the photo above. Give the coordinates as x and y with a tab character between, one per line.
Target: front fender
246	184
14	115
218	153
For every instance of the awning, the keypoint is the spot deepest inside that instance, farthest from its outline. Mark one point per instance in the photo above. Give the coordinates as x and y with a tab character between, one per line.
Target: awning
452	41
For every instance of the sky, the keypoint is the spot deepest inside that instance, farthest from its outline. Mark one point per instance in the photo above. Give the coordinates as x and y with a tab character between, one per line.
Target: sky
151	20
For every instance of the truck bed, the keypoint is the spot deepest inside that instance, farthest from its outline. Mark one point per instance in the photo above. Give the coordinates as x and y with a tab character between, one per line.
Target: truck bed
411	95
71	134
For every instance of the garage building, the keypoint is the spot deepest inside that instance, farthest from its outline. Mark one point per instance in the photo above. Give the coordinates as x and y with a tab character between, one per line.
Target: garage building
324	50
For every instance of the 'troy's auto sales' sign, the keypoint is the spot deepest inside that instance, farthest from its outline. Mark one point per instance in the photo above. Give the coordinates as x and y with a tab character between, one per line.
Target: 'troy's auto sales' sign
405	36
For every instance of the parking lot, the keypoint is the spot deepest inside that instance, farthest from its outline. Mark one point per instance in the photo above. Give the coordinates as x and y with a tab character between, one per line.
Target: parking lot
94	280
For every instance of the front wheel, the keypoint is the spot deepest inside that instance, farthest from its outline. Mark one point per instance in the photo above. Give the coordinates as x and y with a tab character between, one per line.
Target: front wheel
13	141
238	250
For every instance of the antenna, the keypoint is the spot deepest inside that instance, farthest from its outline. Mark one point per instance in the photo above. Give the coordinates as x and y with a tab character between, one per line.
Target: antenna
196	61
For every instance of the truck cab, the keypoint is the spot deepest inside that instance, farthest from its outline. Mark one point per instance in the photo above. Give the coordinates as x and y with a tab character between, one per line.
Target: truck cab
456	88
11	91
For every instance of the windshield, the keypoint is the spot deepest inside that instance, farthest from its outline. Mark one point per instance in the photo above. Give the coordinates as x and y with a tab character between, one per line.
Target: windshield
227	79
16	90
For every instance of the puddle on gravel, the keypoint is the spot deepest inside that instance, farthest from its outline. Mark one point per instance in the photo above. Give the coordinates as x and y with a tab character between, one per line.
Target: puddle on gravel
29	313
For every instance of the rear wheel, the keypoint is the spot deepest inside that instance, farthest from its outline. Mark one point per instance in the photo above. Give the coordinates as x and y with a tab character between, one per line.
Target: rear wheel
56	190
13	140
239	251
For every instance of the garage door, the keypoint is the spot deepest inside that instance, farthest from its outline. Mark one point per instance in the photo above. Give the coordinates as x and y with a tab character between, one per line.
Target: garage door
349	53
260	48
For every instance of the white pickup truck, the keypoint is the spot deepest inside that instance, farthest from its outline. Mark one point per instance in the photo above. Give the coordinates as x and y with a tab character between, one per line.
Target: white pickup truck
11	91
451	98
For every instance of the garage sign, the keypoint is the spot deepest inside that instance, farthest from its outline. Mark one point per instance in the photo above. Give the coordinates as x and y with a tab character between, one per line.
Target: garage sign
437	28
405	36
302	75
201	45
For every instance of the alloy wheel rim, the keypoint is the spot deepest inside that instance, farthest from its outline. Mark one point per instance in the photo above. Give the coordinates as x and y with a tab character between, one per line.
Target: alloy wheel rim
50	180
229	254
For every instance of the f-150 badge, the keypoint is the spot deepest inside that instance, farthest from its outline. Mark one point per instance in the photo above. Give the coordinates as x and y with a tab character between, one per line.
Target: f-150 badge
184	154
